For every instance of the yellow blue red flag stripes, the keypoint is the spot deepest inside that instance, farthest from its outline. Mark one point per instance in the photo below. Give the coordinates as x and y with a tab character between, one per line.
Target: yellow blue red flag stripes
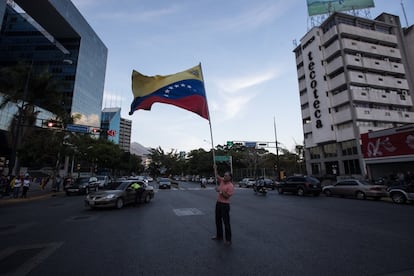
184	89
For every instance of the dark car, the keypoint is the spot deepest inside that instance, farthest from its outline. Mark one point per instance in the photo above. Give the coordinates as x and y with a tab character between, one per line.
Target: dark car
402	193
120	194
300	185
82	185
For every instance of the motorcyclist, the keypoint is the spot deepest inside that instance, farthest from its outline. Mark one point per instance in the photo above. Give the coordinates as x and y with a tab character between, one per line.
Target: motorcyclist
260	185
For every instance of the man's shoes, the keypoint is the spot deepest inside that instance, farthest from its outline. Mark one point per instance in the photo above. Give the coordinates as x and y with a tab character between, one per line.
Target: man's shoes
215	238
227	243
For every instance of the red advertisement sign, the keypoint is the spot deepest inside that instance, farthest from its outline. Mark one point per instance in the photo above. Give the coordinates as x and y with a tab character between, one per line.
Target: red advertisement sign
392	142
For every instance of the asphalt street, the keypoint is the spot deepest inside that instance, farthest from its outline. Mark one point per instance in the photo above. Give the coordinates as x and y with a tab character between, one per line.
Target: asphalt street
272	235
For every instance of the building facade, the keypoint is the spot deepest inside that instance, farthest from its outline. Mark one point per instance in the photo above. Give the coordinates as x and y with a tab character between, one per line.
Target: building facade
354	77
53	35
116	129
125	135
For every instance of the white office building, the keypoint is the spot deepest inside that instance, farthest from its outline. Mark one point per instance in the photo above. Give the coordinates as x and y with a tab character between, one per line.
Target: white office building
354	77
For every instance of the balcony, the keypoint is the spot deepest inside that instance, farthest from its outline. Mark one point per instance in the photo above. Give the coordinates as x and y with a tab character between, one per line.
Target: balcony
334	65
337	81
342	116
340	98
384	115
373	35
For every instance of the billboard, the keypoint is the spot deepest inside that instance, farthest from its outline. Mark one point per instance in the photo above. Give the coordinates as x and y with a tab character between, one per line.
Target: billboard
388	143
326	6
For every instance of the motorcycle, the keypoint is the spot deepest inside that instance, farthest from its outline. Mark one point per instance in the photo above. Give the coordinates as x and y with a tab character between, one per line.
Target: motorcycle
259	189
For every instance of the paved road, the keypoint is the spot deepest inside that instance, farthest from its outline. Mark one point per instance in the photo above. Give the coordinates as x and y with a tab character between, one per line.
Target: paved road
272	235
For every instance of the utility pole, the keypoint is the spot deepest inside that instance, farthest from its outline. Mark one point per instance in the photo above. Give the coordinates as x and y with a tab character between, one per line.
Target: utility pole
277	151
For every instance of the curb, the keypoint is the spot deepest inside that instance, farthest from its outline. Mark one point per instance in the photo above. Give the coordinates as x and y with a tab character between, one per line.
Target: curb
6	201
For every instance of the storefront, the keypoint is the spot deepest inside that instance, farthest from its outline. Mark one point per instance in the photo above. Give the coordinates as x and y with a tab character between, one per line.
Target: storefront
389	152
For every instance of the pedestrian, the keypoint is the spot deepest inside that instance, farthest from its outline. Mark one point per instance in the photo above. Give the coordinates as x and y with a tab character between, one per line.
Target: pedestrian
138	192
26	185
58	182
222	213
17	184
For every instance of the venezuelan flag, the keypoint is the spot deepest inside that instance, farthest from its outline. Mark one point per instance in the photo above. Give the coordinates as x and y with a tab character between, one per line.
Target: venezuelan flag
184	89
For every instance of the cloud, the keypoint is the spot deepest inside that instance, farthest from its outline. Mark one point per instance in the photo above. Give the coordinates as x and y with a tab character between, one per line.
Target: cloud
122	13
255	17
235	84
234	99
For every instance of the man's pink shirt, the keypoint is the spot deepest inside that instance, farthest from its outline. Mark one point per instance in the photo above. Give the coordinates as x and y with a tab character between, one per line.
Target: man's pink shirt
228	188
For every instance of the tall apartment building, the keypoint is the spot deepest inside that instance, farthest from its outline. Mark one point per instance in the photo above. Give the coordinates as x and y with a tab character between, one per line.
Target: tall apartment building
125	135
354	77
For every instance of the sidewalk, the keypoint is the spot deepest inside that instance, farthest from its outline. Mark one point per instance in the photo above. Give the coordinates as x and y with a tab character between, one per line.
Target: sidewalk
35	192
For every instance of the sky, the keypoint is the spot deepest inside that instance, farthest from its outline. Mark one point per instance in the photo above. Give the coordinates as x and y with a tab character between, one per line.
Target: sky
246	52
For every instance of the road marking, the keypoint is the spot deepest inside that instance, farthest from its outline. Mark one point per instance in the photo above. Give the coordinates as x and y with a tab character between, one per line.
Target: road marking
187	212
34	254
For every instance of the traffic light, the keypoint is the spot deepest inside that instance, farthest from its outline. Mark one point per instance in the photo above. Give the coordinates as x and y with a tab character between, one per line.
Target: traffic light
96	130
55	124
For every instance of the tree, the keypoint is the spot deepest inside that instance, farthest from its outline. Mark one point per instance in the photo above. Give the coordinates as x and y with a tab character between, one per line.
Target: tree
27	89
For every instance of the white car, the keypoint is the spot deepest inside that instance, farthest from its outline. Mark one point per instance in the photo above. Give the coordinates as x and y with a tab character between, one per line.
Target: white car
103	180
247	182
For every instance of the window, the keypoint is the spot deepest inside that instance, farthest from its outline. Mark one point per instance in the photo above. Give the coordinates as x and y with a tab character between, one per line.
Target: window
315	153
352	166
330	150
349	148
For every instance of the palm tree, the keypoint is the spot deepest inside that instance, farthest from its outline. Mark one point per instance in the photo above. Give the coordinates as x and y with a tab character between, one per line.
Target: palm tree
23	86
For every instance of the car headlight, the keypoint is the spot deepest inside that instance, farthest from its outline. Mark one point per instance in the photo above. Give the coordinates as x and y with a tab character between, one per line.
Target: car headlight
110	196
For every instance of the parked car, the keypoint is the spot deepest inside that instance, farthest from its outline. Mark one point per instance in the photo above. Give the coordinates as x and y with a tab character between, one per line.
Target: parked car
164	183
402	193
119	195
356	188
81	185
300	185
247	182
104	181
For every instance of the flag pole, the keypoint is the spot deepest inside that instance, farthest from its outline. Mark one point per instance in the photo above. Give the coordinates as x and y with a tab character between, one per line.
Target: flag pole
211	130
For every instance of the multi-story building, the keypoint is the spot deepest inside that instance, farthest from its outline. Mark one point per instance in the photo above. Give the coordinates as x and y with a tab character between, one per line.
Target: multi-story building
354	77
125	135
116	129
52	34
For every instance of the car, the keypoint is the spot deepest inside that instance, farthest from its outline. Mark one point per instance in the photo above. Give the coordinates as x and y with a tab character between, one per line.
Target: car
247	182
119	194
300	185
401	193
104	181
81	185
164	183
360	189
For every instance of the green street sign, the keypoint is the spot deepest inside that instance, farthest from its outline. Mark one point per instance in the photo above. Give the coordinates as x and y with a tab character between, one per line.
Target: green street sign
222	158
229	144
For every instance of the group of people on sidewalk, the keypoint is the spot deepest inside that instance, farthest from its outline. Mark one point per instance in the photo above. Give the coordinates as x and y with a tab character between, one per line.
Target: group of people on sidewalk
14	185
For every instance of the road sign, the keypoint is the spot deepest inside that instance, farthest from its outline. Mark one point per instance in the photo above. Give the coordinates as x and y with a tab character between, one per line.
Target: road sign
77	128
250	144
222	158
